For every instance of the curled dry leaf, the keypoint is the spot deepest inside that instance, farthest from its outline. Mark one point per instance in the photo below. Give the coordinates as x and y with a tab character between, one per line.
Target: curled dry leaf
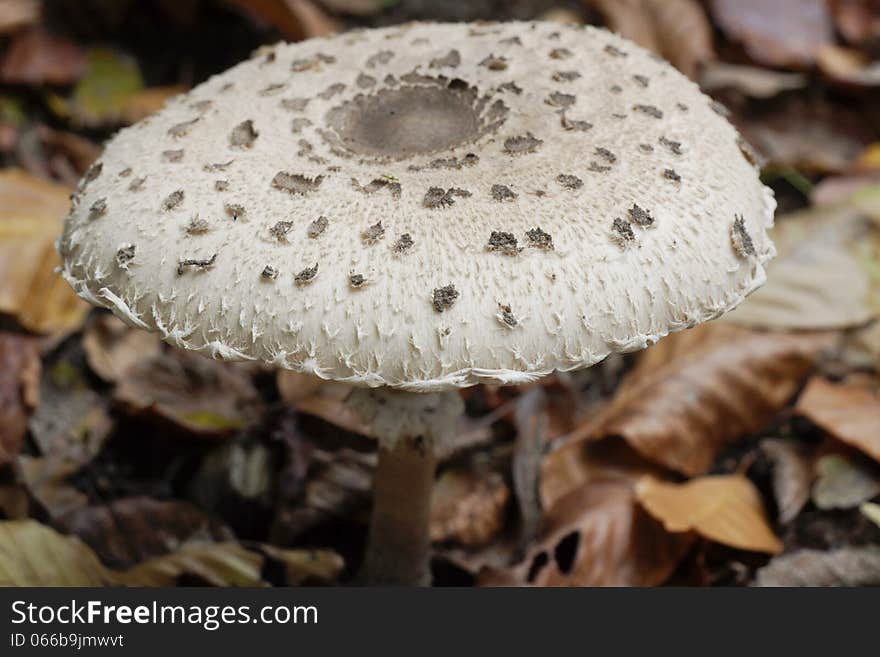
782	33
676	29
321	399
823	277
848	411
698	390
196	395
32	554
19	390
36	57
468	507
130	530
596	535
726	509
112	347
31	212
792	476
849	566
843	483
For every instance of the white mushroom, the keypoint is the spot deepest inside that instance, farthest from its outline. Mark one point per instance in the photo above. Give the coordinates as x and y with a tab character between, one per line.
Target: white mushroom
551	171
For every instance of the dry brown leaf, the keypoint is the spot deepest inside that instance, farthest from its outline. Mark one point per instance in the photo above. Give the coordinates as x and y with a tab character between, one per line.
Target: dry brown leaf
848	66
849	566
321	399
144	103
36	57
848	411
294	19
783	33
596	535
468	507
792	476
857	20
823	277
19	389
46	480
726	509
31	214
113	347
15	14
844	483
698	390
676	29
199	396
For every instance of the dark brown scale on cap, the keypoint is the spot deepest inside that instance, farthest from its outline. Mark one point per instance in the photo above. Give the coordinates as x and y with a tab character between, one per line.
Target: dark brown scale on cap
403	244
94	171
437	197
503	193
522	144
174	199
234	210
494	63
172	156
559	99
299	124
220	166
98	208
125	255
539	239
646	148
640	217
333	90
273	89
614	51
182	129
307	275
269	273
560	53
650	110
221	185
295	183
511	41
569	181
243	135
373	234
305	64
443	298
295	104
682	107
197	226
199	264
606	155
450	60
622	232
379	59
365	81
506	316
386	182
512	87
566	76
356	280
125	173
317	227
502	242
137	185
671	174
280	230
595	167
742	241
574	125
719	109
673	146
202	106
642	80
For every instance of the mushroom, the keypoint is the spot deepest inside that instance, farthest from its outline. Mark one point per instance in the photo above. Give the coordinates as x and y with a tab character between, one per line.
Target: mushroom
485	247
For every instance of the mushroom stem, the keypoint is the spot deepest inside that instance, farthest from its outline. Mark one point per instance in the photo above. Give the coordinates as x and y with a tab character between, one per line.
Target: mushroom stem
398	551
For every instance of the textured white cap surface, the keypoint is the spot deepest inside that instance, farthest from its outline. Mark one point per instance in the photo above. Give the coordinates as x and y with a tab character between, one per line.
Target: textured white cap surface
426	206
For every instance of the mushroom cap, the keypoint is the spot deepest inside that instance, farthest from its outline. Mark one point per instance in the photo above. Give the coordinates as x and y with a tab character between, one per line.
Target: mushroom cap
426	206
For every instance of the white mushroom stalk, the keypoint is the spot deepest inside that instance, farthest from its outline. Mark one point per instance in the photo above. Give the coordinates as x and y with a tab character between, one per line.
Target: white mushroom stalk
426	207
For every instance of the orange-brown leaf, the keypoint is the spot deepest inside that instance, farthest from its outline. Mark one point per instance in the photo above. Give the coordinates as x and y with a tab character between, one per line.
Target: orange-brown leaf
726	509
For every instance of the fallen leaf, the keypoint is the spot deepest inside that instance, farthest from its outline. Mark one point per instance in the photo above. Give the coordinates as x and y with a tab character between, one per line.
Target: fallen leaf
857	20
305	567
792	476
131	530
36	57
31	214
596	535
19	370
847	411
112	347
726	509
850	566
698	390
871	511
751	81
843	483
77	150
32	554
294	19
47	482
15	14
321	399
822	277
676	29
848	66
196	395
782	33
468	507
